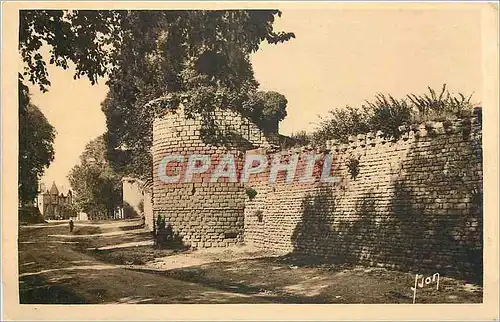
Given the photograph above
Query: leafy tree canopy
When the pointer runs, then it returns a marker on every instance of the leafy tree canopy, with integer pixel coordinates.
(36, 151)
(93, 39)
(97, 187)
(199, 58)
(266, 109)
(80, 37)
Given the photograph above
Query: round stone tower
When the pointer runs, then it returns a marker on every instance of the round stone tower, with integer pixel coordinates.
(204, 211)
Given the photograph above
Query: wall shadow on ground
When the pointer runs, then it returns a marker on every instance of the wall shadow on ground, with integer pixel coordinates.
(433, 223)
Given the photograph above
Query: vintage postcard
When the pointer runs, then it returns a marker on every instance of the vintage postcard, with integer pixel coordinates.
(249, 161)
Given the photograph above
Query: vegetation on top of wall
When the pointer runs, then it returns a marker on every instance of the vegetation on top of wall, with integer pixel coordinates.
(297, 139)
(251, 193)
(387, 114)
(301, 138)
(353, 166)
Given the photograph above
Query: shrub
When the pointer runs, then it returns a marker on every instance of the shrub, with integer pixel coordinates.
(259, 214)
(353, 166)
(141, 206)
(251, 193)
(387, 114)
(301, 138)
(342, 123)
(159, 219)
(440, 108)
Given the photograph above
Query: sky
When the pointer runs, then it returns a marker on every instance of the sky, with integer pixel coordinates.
(338, 58)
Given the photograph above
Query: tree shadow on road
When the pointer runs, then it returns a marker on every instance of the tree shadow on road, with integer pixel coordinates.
(262, 291)
(38, 290)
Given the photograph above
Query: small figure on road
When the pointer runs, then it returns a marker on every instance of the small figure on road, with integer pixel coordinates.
(143, 221)
(71, 225)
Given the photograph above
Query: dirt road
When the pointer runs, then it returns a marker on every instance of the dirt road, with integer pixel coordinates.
(115, 262)
(55, 270)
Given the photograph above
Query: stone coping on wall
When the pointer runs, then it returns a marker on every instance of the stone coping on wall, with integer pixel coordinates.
(370, 139)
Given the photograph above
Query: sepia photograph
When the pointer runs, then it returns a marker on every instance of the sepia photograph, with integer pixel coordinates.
(279, 154)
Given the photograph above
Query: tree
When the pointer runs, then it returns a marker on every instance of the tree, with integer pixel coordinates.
(79, 37)
(93, 39)
(82, 37)
(267, 109)
(97, 187)
(199, 58)
(36, 151)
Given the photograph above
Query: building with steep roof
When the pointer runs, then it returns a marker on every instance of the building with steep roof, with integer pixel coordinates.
(52, 204)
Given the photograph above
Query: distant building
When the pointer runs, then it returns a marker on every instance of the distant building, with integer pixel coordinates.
(81, 216)
(54, 205)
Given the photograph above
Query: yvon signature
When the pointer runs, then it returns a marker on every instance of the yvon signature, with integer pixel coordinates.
(424, 282)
